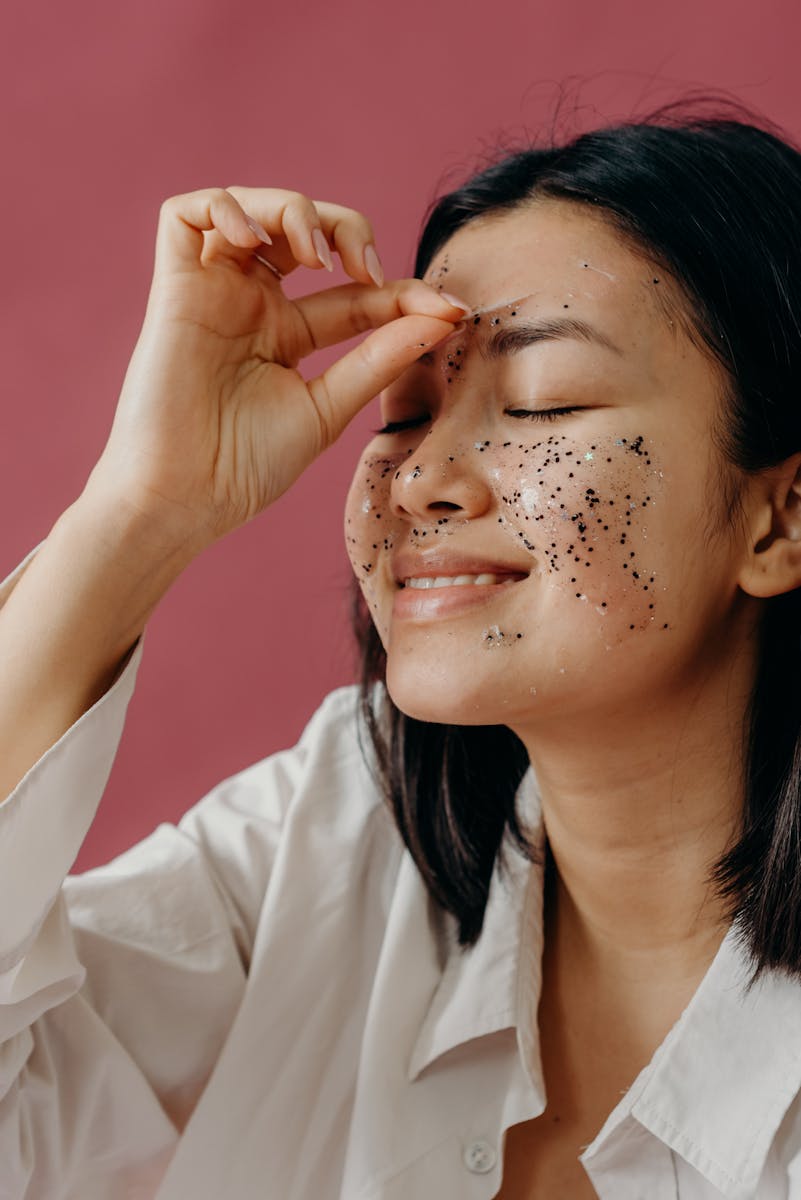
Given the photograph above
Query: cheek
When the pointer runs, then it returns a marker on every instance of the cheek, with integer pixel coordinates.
(369, 527)
(584, 511)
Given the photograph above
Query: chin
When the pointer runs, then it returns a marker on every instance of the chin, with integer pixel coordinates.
(441, 698)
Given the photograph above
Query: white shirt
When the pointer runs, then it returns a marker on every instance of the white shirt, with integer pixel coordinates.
(263, 1002)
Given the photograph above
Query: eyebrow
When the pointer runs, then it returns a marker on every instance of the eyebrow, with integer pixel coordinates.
(509, 341)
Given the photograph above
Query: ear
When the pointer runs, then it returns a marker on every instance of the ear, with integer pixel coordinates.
(773, 525)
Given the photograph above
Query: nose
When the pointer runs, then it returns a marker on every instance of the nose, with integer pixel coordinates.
(443, 476)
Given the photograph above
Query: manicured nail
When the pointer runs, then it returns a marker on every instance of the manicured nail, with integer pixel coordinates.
(373, 265)
(456, 302)
(259, 230)
(323, 252)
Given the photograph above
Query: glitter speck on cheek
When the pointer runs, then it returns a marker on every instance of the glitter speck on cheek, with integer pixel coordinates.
(530, 500)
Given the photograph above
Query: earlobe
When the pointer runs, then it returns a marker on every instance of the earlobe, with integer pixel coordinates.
(773, 561)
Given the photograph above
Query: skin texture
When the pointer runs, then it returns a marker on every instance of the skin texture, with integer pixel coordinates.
(625, 657)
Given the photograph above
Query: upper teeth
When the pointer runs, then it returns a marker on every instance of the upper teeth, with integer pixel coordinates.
(428, 581)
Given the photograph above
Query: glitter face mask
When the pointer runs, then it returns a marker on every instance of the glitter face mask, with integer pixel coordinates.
(577, 510)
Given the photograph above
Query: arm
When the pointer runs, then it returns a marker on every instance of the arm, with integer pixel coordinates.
(214, 422)
(68, 625)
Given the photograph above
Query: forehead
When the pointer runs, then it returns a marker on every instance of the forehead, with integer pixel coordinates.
(561, 254)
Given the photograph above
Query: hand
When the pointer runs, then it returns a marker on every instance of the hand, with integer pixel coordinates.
(214, 420)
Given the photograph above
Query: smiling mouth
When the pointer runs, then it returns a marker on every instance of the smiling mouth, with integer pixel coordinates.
(445, 581)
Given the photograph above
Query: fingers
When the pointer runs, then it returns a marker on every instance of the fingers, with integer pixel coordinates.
(336, 314)
(351, 235)
(184, 219)
(231, 223)
(356, 378)
(308, 232)
(217, 224)
(292, 222)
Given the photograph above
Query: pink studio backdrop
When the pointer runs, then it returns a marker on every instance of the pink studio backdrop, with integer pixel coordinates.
(110, 109)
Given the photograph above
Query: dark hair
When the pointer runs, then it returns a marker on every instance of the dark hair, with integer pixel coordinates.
(715, 200)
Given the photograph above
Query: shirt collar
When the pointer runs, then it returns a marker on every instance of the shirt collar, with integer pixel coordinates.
(494, 984)
(717, 1088)
(718, 1085)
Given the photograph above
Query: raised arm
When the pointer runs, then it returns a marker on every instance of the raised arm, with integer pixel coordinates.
(213, 423)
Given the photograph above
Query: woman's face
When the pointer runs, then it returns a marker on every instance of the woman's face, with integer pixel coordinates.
(539, 531)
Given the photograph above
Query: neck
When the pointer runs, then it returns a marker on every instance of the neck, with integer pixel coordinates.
(636, 821)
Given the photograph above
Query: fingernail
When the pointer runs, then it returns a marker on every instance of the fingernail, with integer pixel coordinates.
(456, 302)
(373, 265)
(259, 230)
(323, 252)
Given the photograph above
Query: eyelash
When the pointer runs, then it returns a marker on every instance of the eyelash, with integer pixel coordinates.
(542, 414)
(535, 414)
(399, 426)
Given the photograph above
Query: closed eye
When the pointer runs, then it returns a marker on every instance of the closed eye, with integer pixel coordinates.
(533, 414)
(399, 426)
(542, 414)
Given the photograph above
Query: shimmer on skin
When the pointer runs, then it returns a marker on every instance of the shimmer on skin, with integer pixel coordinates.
(543, 489)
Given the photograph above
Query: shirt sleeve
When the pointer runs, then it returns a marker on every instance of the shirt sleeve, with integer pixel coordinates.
(118, 986)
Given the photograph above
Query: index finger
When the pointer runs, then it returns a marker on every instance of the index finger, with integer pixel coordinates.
(335, 314)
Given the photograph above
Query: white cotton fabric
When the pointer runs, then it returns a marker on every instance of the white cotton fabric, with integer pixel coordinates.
(263, 1002)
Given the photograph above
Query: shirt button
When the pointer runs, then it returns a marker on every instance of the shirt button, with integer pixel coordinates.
(480, 1157)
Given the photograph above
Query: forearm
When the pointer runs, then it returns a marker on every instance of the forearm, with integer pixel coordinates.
(69, 623)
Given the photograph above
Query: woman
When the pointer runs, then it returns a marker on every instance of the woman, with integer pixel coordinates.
(521, 916)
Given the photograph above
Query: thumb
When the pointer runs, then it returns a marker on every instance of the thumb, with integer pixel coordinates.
(350, 383)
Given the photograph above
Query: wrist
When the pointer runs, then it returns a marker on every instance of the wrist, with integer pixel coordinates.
(134, 531)
(114, 567)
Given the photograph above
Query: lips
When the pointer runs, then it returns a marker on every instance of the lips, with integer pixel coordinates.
(442, 584)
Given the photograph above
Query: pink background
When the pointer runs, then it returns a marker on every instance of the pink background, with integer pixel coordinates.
(110, 108)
